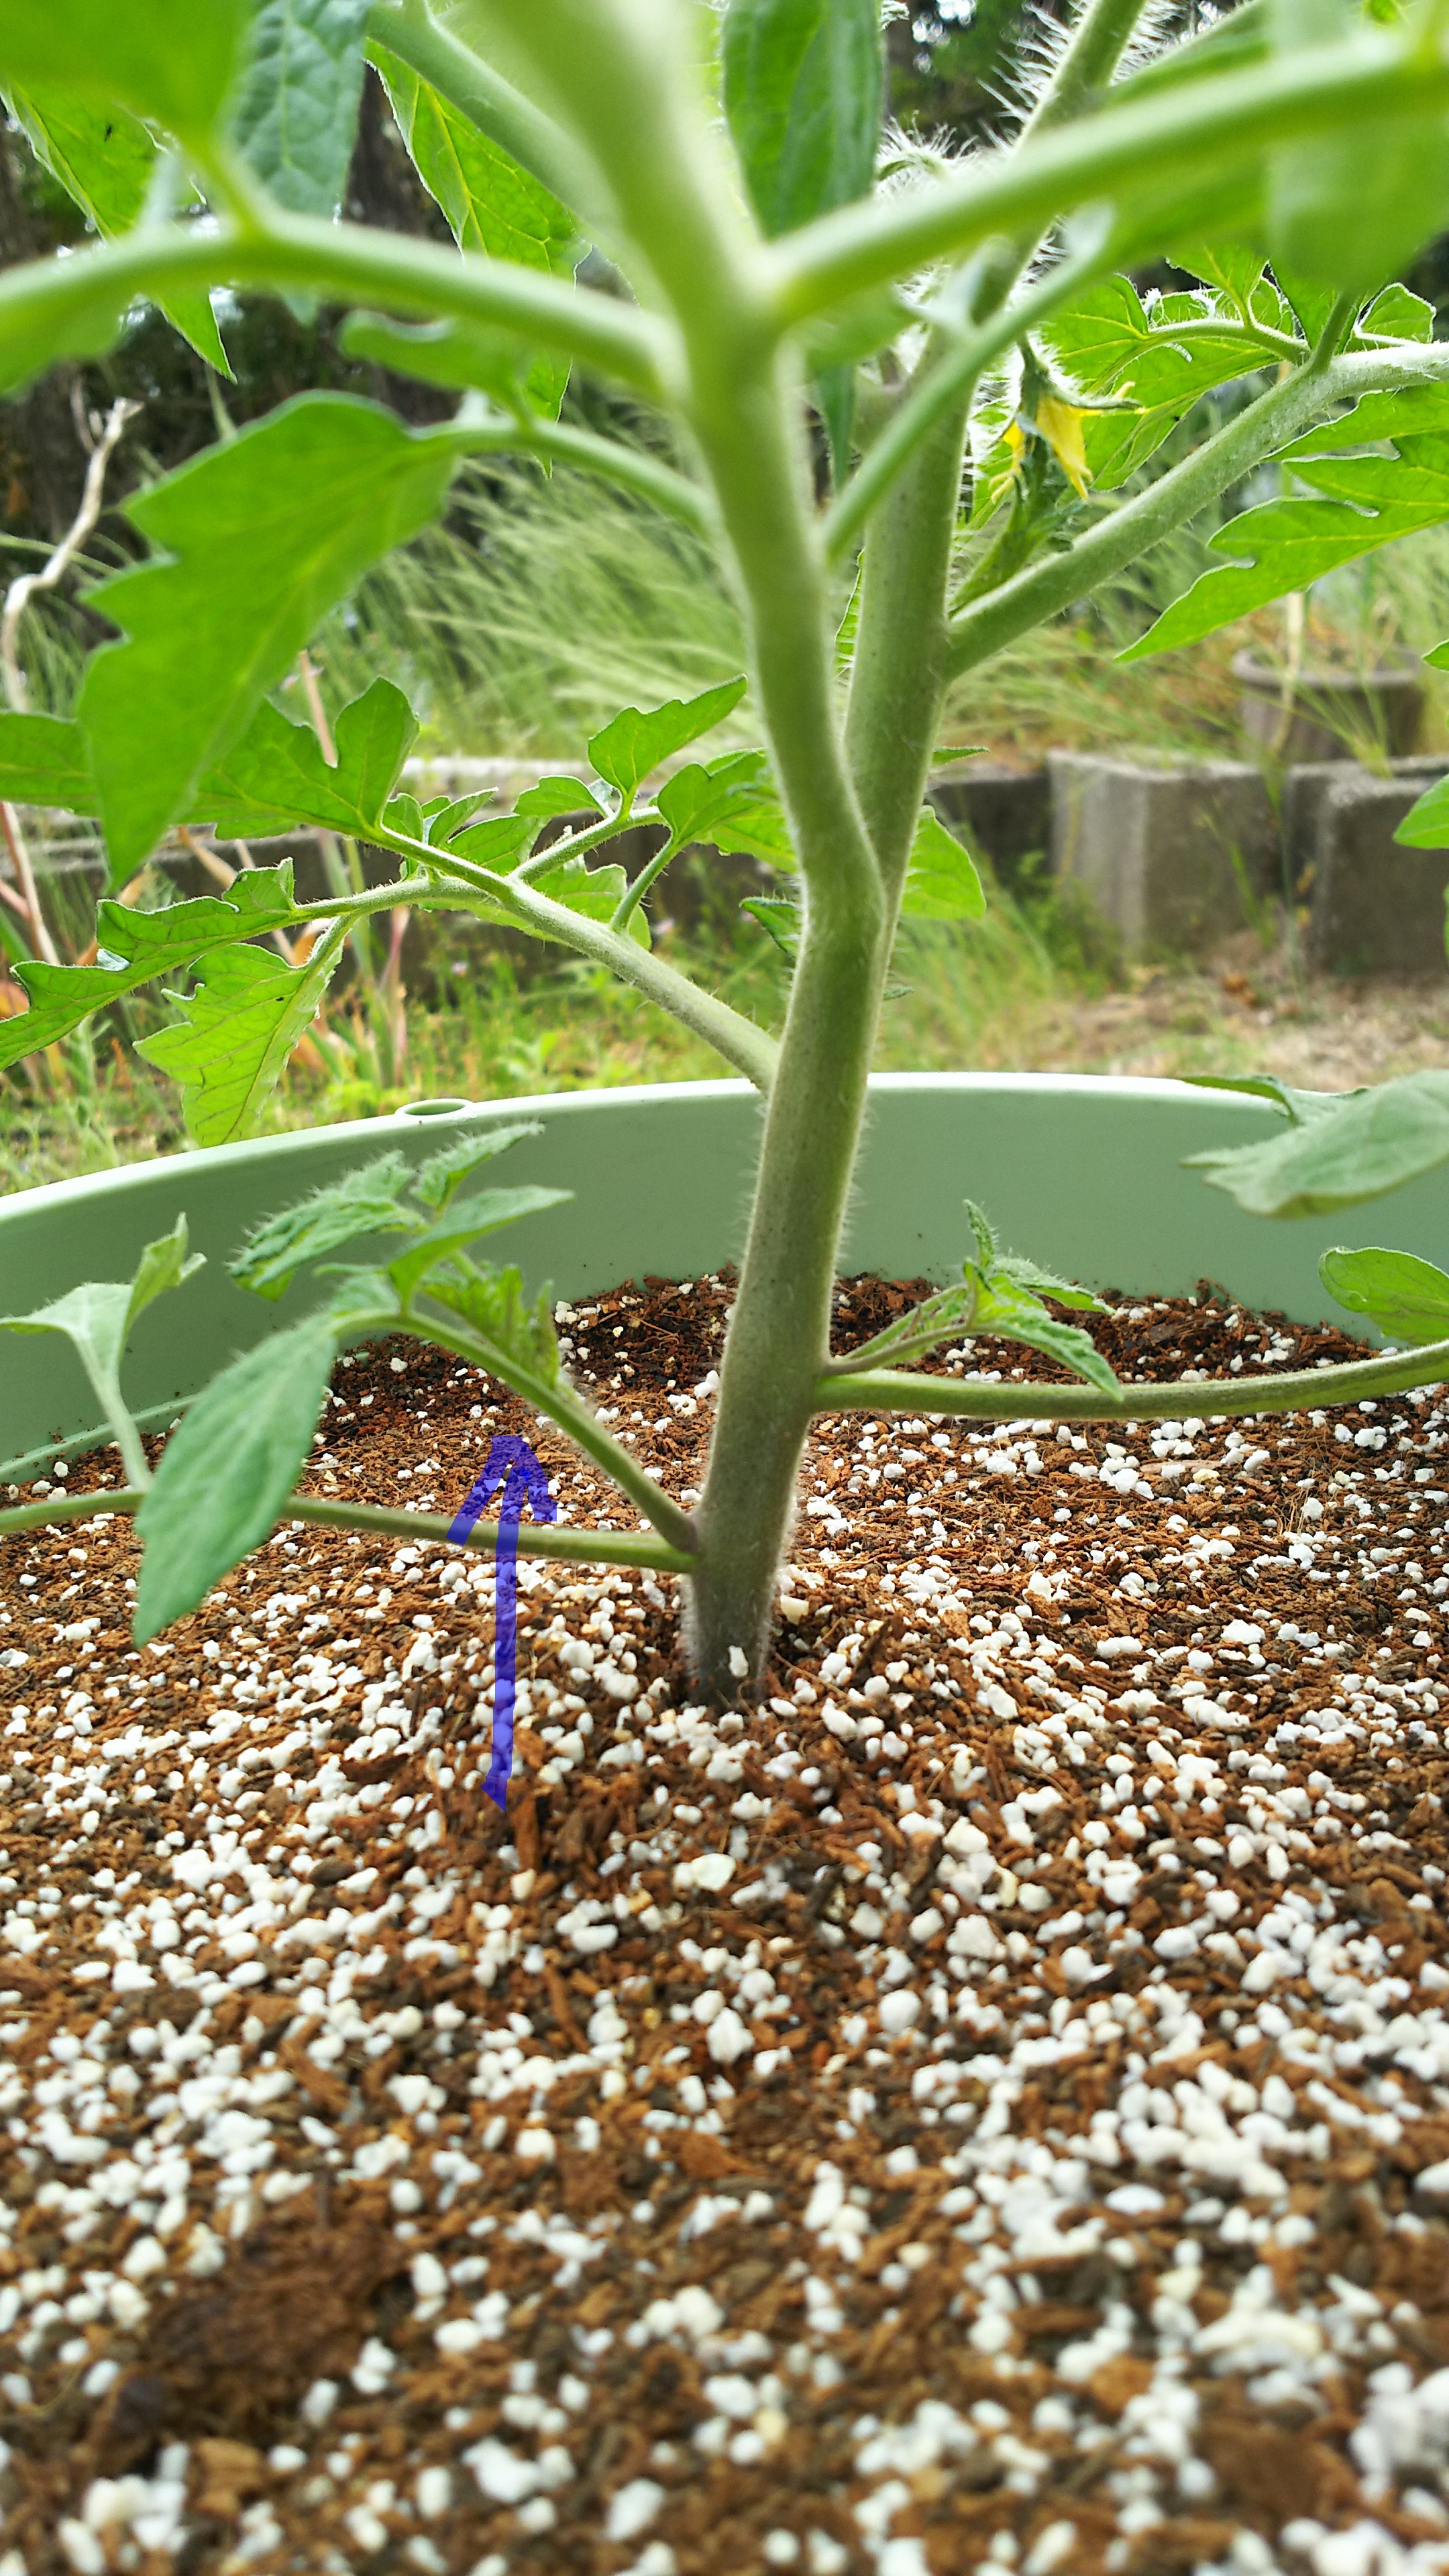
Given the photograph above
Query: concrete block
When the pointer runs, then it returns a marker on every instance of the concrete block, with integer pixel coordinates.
(1005, 813)
(1375, 908)
(1169, 857)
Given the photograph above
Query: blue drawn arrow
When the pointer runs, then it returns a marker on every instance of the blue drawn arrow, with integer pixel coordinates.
(511, 1464)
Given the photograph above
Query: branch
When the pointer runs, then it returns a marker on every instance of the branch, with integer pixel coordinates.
(1176, 137)
(546, 1539)
(632, 467)
(1179, 1400)
(1277, 417)
(48, 306)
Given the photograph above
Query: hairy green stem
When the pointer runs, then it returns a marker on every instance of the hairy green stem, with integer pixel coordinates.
(632, 468)
(546, 1539)
(1175, 137)
(84, 295)
(752, 1051)
(1178, 1399)
(1277, 417)
(647, 878)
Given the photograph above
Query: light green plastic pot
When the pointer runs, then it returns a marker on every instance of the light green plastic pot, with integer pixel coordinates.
(1085, 1174)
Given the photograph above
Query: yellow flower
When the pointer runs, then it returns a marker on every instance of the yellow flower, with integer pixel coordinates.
(1060, 424)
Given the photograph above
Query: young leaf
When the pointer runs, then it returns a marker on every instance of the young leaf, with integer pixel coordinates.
(134, 947)
(594, 892)
(495, 843)
(295, 114)
(97, 1318)
(491, 204)
(941, 881)
(1397, 314)
(1408, 1299)
(168, 60)
(240, 1022)
(803, 82)
(1017, 1316)
(780, 915)
(701, 804)
(441, 1174)
(1366, 501)
(492, 1304)
(637, 740)
(276, 777)
(367, 1201)
(227, 1471)
(256, 539)
(1372, 1142)
(936, 1319)
(551, 796)
(43, 762)
(462, 1224)
(105, 160)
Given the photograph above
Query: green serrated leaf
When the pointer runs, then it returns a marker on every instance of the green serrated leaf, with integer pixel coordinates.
(490, 202)
(295, 115)
(227, 1471)
(463, 1223)
(941, 881)
(366, 1201)
(256, 539)
(1366, 501)
(638, 739)
(1397, 314)
(551, 796)
(275, 778)
(43, 762)
(168, 60)
(135, 947)
(1407, 1298)
(441, 1174)
(240, 1022)
(1016, 1316)
(1024, 1273)
(1372, 1142)
(492, 1304)
(987, 1246)
(803, 92)
(595, 892)
(105, 160)
(495, 843)
(96, 1320)
(780, 916)
(699, 803)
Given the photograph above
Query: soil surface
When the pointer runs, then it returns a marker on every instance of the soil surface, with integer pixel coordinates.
(979, 2103)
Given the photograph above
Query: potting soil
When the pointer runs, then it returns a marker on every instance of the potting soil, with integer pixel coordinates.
(979, 2102)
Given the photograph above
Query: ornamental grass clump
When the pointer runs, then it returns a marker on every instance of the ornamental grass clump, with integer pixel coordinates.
(911, 407)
